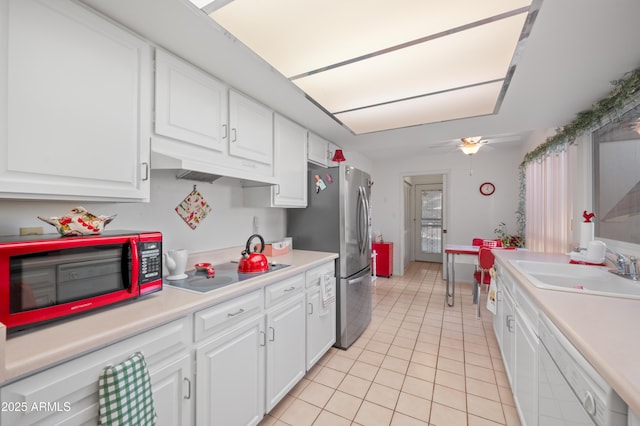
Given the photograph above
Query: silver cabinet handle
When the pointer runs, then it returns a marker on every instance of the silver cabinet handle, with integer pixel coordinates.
(234, 132)
(188, 383)
(310, 308)
(240, 311)
(273, 334)
(509, 319)
(226, 131)
(263, 338)
(287, 290)
(146, 171)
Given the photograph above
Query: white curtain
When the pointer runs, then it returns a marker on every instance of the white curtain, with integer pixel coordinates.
(549, 194)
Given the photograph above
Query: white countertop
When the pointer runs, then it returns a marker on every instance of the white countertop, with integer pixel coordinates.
(42, 347)
(603, 329)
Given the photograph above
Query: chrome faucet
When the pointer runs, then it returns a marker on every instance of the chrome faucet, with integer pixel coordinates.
(626, 267)
(620, 261)
(633, 268)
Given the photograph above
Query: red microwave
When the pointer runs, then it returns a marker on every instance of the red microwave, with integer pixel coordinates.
(46, 277)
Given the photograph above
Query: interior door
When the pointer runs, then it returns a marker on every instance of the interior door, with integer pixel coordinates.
(428, 222)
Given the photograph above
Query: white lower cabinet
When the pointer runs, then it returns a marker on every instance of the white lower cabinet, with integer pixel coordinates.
(526, 378)
(526, 356)
(321, 318)
(504, 321)
(67, 394)
(508, 335)
(173, 392)
(285, 319)
(515, 325)
(230, 376)
(248, 359)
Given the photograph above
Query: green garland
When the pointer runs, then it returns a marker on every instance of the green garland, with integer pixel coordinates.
(621, 96)
(625, 91)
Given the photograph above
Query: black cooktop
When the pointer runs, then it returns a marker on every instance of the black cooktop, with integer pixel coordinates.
(226, 274)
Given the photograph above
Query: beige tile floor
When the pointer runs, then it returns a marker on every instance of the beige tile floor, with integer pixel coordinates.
(418, 363)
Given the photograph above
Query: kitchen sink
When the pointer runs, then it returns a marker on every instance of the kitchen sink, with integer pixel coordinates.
(597, 280)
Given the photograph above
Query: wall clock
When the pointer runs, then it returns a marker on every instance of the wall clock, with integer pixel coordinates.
(487, 188)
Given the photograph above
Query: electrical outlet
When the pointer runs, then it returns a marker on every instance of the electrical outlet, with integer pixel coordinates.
(31, 230)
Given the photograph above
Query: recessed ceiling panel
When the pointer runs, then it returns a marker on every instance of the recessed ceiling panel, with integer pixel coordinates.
(376, 65)
(470, 102)
(482, 54)
(299, 36)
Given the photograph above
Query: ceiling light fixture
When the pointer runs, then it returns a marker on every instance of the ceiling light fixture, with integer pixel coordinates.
(471, 145)
(371, 74)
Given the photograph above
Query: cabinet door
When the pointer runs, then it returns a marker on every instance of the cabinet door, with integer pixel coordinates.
(508, 335)
(321, 324)
(251, 126)
(290, 164)
(285, 348)
(498, 319)
(78, 104)
(318, 150)
(526, 371)
(191, 106)
(230, 377)
(172, 392)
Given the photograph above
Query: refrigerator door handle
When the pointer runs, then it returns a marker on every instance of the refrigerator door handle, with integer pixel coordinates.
(358, 280)
(360, 203)
(367, 219)
(363, 220)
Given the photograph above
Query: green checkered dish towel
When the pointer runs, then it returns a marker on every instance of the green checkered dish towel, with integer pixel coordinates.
(125, 394)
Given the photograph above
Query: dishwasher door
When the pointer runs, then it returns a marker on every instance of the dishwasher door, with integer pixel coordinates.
(570, 391)
(557, 403)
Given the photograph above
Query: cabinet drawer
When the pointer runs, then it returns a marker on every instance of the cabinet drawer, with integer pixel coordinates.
(527, 308)
(212, 320)
(313, 275)
(283, 290)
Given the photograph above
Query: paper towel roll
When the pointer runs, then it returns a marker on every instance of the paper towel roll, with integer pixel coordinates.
(586, 234)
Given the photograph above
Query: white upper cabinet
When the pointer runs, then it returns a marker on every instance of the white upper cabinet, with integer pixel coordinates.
(251, 127)
(291, 164)
(202, 126)
(77, 108)
(190, 105)
(318, 150)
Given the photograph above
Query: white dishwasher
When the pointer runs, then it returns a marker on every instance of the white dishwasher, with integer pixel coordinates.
(570, 391)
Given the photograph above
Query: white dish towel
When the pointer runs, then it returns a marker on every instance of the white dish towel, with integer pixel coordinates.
(328, 289)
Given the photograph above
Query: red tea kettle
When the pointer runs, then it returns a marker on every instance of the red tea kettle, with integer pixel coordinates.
(253, 262)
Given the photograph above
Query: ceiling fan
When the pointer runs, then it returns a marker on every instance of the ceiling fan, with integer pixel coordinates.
(471, 145)
(477, 142)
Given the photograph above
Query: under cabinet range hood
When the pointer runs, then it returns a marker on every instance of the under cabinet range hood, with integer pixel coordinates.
(197, 176)
(205, 172)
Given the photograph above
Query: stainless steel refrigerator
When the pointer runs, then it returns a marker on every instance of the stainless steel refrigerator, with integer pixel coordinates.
(338, 219)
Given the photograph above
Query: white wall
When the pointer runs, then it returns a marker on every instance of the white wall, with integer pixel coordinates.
(229, 224)
(470, 214)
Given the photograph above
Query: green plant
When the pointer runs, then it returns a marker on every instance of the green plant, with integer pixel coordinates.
(508, 240)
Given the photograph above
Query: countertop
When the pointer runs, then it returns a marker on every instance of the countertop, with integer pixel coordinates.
(28, 352)
(603, 329)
